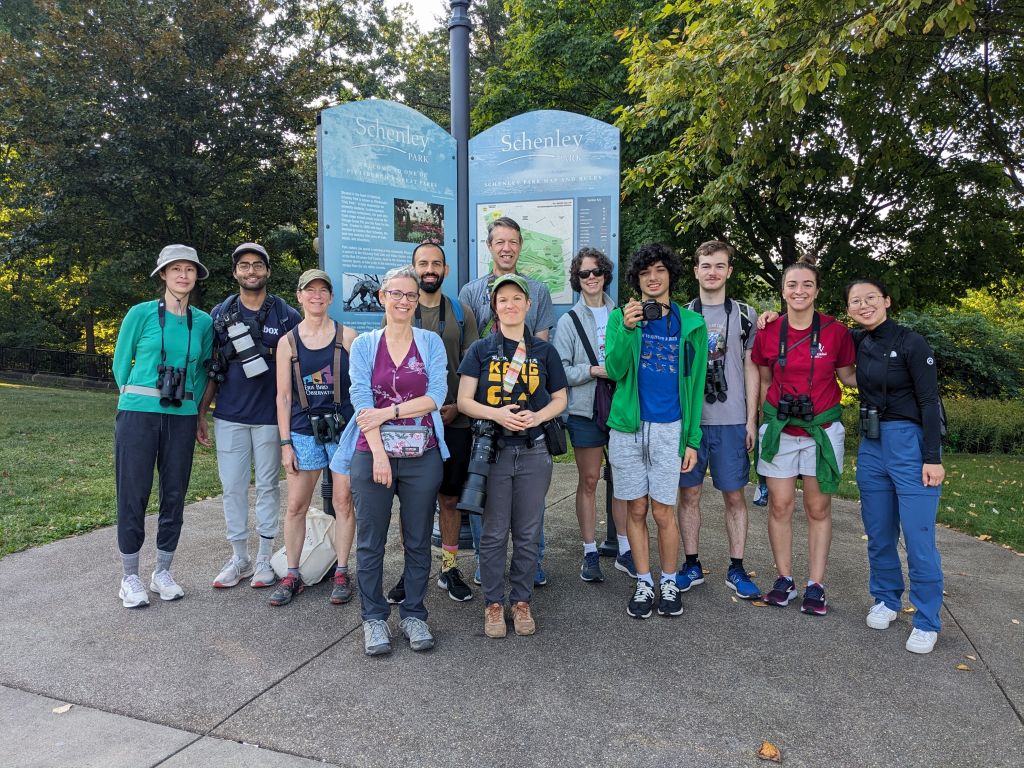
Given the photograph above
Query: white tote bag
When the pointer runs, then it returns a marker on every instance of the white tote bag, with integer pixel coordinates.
(318, 556)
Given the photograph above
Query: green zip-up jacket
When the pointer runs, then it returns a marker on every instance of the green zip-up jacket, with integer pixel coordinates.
(622, 361)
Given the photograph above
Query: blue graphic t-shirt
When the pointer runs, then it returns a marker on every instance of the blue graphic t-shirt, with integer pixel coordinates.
(658, 377)
(253, 401)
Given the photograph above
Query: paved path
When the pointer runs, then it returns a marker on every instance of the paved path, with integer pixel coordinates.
(204, 680)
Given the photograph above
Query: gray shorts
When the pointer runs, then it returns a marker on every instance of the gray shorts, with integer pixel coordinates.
(647, 462)
(799, 455)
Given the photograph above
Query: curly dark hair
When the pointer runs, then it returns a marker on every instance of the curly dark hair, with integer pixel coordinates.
(650, 254)
(603, 263)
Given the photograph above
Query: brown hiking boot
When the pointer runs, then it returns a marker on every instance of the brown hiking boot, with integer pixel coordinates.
(522, 619)
(494, 620)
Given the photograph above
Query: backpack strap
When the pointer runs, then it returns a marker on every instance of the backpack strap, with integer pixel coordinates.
(746, 325)
(338, 346)
(583, 337)
(293, 335)
(460, 318)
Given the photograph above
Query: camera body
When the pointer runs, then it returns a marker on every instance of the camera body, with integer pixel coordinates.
(715, 386)
(869, 422)
(473, 498)
(242, 344)
(651, 309)
(171, 383)
(796, 407)
(327, 427)
(216, 369)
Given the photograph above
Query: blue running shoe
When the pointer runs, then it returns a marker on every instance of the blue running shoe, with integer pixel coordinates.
(624, 563)
(761, 495)
(782, 592)
(689, 576)
(591, 568)
(541, 578)
(740, 581)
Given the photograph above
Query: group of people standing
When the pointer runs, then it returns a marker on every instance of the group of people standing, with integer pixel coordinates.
(448, 387)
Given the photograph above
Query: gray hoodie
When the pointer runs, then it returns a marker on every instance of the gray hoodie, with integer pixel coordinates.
(574, 357)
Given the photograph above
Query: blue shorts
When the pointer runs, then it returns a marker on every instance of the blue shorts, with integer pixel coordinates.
(724, 447)
(309, 454)
(585, 433)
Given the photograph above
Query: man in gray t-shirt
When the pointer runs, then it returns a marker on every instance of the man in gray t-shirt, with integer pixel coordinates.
(505, 242)
(728, 421)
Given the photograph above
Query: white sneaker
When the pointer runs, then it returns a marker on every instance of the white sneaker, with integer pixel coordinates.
(163, 584)
(921, 641)
(234, 571)
(881, 616)
(133, 593)
(264, 575)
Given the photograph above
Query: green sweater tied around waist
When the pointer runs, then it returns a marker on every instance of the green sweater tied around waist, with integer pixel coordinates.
(826, 467)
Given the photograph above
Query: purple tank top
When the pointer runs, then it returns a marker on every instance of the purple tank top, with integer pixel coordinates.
(393, 385)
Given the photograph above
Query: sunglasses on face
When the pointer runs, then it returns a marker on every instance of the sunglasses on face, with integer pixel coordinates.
(585, 273)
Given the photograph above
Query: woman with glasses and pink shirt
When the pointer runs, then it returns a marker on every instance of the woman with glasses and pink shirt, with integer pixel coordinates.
(395, 445)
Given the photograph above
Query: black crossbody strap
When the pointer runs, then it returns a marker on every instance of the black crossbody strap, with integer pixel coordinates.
(338, 346)
(583, 337)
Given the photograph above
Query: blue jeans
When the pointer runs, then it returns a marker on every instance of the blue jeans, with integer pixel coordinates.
(476, 525)
(892, 496)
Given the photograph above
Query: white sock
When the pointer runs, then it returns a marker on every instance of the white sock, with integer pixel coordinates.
(623, 543)
(668, 577)
(646, 577)
(588, 548)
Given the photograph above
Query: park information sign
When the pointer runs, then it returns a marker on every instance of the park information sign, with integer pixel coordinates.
(557, 175)
(385, 182)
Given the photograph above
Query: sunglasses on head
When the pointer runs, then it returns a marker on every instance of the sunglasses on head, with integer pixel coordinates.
(585, 273)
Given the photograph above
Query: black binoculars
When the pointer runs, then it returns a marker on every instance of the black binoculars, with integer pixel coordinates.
(869, 422)
(715, 386)
(171, 383)
(796, 407)
(327, 427)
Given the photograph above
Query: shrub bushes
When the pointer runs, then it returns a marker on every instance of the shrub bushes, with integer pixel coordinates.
(985, 426)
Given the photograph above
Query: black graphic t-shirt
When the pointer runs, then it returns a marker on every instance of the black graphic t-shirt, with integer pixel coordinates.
(542, 373)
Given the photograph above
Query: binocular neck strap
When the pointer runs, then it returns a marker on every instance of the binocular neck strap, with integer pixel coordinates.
(814, 337)
(161, 313)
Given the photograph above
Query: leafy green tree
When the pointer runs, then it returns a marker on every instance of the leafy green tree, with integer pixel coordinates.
(879, 137)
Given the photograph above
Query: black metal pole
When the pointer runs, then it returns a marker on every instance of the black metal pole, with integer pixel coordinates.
(459, 29)
(610, 546)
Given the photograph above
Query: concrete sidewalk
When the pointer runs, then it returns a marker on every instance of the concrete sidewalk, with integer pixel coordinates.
(202, 681)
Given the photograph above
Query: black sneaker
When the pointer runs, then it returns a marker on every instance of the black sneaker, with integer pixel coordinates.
(397, 593)
(451, 580)
(642, 604)
(671, 603)
(287, 588)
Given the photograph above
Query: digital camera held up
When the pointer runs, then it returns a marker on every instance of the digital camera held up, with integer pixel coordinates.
(651, 309)
(473, 498)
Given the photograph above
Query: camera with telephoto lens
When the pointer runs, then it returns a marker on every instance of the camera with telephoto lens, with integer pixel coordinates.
(327, 427)
(869, 426)
(651, 309)
(795, 407)
(171, 383)
(248, 351)
(473, 498)
(216, 369)
(715, 386)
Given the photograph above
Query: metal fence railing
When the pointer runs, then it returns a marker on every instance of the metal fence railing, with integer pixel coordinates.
(56, 361)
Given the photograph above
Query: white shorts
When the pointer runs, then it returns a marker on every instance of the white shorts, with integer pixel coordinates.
(798, 455)
(646, 463)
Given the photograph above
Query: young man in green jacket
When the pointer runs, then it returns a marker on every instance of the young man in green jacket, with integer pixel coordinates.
(656, 352)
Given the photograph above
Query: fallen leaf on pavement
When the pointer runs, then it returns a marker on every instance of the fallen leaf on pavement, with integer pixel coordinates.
(963, 667)
(1015, 621)
(864, 537)
(769, 751)
(735, 599)
(759, 603)
(910, 609)
(63, 709)
(984, 537)
(972, 658)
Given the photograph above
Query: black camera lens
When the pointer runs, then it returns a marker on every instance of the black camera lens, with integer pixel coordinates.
(651, 310)
(473, 498)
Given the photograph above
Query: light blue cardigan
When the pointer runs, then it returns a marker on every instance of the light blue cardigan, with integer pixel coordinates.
(360, 369)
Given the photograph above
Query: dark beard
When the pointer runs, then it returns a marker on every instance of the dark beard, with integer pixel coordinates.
(430, 287)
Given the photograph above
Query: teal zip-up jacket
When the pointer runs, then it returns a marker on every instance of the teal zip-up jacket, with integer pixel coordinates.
(622, 361)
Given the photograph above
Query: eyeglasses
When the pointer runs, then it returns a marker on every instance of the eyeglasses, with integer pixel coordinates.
(871, 299)
(251, 266)
(585, 273)
(499, 244)
(397, 295)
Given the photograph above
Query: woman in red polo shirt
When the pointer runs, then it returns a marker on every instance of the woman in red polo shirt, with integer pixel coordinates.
(799, 356)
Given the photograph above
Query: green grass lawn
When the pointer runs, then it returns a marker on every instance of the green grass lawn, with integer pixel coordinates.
(57, 473)
(57, 465)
